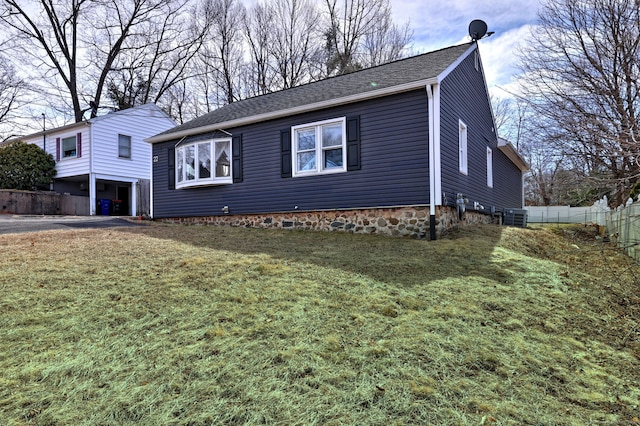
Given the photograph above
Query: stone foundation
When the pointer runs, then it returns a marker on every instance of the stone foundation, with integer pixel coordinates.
(397, 222)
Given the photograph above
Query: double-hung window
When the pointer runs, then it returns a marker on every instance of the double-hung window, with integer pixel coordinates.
(462, 147)
(204, 163)
(124, 146)
(69, 147)
(319, 148)
(489, 167)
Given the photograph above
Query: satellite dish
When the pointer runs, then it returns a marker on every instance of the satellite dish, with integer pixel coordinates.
(477, 29)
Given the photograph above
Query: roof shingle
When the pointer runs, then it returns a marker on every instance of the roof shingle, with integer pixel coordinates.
(416, 68)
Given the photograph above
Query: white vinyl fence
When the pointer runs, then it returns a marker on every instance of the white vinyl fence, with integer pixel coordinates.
(624, 225)
(565, 214)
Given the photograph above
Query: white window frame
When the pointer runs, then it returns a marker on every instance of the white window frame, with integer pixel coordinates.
(489, 167)
(182, 182)
(128, 157)
(319, 149)
(66, 157)
(463, 134)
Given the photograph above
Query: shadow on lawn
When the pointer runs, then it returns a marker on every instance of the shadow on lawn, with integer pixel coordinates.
(404, 261)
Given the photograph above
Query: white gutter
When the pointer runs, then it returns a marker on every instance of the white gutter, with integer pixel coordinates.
(435, 167)
(292, 111)
(432, 179)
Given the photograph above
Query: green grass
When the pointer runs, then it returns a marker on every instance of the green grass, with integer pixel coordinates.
(179, 325)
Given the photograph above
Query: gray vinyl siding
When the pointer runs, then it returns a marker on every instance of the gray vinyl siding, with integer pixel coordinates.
(507, 182)
(464, 97)
(394, 156)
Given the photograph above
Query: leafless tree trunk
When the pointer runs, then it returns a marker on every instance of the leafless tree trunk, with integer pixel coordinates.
(294, 41)
(360, 33)
(12, 91)
(160, 57)
(75, 44)
(387, 42)
(222, 54)
(258, 24)
(582, 70)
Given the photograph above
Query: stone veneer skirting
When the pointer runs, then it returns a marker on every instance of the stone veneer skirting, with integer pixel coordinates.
(396, 221)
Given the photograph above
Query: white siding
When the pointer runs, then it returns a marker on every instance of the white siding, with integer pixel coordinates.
(67, 166)
(101, 135)
(139, 123)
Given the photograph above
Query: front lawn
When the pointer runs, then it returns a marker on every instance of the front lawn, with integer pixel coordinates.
(192, 325)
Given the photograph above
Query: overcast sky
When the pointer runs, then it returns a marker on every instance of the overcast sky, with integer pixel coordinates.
(441, 23)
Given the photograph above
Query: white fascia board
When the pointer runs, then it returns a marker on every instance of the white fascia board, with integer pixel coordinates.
(291, 111)
(512, 154)
(116, 178)
(51, 131)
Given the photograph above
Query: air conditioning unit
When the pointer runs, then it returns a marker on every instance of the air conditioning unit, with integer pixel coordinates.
(515, 217)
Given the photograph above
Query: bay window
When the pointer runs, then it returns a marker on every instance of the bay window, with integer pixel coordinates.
(203, 163)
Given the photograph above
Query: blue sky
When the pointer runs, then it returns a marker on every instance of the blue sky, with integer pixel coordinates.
(441, 23)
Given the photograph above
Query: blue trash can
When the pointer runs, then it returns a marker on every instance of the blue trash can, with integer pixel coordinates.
(105, 207)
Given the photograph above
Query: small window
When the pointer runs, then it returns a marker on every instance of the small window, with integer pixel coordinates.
(69, 147)
(462, 148)
(489, 167)
(319, 147)
(203, 163)
(124, 146)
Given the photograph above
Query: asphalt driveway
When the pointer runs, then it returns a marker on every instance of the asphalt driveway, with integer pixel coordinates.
(16, 224)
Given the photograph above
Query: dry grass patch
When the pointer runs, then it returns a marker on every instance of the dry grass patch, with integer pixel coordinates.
(198, 325)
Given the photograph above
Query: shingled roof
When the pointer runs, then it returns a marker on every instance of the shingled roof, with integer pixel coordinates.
(381, 80)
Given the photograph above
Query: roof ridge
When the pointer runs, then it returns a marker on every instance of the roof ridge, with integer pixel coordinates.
(332, 77)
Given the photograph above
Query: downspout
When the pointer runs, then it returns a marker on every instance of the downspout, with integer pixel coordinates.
(435, 196)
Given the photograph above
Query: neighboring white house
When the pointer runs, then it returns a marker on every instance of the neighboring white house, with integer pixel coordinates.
(106, 158)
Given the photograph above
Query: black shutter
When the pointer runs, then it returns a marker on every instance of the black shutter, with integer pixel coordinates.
(353, 143)
(79, 145)
(236, 155)
(285, 153)
(171, 169)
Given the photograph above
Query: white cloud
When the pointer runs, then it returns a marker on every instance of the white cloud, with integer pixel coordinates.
(499, 55)
(442, 23)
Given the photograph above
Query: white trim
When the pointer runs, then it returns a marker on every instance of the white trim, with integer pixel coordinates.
(489, 167)
(317, 126)
(463, 147)
(457, 62)
(510, 151)
(437, 171)
(92, 177)
(133, 196)
(70, 157)
(431, 119)
(116, 178)
(292, 111)
(213, 179)
(92, 194)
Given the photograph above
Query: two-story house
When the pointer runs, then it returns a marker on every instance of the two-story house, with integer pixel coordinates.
(106, 158)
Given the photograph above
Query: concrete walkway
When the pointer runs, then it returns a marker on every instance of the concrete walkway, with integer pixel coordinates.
(16, 224)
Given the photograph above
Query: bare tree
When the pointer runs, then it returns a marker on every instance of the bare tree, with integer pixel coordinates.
(294, 40)
(75, 44)
(257, 28)
(159, 56)
(386, 42)
(12, 97)
(582, 73)
(360, 33)
(222, 54)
